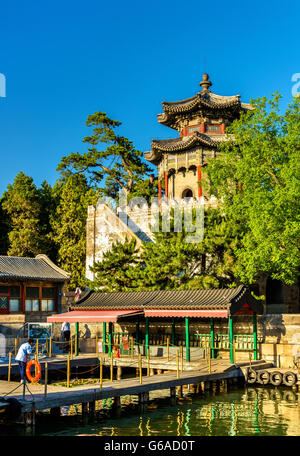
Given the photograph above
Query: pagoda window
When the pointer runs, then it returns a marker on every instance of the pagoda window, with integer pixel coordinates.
(193, 129)
(187, 193)
(213, 128)
(9, 299)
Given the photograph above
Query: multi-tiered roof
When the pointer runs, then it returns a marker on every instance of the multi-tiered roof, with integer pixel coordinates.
(204, 108)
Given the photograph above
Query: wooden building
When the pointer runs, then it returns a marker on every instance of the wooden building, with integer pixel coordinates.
(30, 289)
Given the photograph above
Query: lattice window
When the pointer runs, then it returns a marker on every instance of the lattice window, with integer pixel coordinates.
(3, 302)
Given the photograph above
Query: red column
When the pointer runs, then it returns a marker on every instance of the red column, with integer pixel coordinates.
(202, 128)
(159, 192)
(199, 181)
(223, 128)
(166, 186)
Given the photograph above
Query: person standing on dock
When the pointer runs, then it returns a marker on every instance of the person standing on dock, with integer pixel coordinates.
(22, 357)
(65, 332)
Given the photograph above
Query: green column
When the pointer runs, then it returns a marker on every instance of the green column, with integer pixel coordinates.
(230, 322)
(104, 337)
(187, 339)
(173, 332)
(212, 337)
(255, 335)
(147, 336)
(137, 331)
(109, 339)
(77, 338)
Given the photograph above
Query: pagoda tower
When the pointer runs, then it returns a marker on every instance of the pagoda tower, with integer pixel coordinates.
(201, 122)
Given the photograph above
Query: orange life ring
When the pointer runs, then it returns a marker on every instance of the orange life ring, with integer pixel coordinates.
(38, 370)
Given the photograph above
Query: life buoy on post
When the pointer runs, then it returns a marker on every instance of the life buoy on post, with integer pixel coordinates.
(33, 362)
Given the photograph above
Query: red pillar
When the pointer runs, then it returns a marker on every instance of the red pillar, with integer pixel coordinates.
(202, 128)
(199, 181)
(166, 186)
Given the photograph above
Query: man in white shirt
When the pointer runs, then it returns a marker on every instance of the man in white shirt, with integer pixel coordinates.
(22, 357)
(65, 333)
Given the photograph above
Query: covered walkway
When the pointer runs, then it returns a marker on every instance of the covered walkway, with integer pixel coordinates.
(182, 305)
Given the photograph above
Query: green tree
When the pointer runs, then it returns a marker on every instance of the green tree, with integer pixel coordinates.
(69, 226)
(256, 176)
(4, 229)
(48, 203)
(117, 271)
(118, 166)
(171, 262)
(22, 205)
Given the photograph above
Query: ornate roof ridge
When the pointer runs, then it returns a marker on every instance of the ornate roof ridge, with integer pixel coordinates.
(206, 98)
(182, 144)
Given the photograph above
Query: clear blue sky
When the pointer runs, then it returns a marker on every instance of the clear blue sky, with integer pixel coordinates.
(64, 60)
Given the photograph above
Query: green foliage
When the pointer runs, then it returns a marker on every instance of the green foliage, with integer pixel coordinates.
(118, 166)
(69, 226)
(22, 205)
(4, 229)
(170, 262)
(262, 156)
(117, 271)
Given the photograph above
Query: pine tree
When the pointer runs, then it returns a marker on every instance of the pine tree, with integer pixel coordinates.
(69, 226)
(171, 262)
(4, 229)
(118, 167)
(118, 270)
(22, 205)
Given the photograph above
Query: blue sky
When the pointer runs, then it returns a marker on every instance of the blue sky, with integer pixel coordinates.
(64, 60)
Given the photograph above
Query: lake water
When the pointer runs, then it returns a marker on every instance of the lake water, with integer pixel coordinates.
(246, 411)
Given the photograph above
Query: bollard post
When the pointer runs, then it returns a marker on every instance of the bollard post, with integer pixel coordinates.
(177, 362)
(15, 347)
(71, 346)
(47, 346)
(181, 348)
(140, 368)
(131, 341)
(233, 350)
(148, 362)
(96, 344)
(9, 367)
(168, 344)
(112, 367)
(46, 379)
(209, 357)
(76, 344)
(50, 347)
(101, 373)
(68, 372)
(37, 347)
(37, 359)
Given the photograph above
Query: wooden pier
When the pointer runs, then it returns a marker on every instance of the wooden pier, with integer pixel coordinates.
(56, 397)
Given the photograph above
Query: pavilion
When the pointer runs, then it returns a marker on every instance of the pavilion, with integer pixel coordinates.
(183, 305)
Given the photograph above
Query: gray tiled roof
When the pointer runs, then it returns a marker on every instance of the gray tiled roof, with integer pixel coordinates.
(223, 298)
(23, 268)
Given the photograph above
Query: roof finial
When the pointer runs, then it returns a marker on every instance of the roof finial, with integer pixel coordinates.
(205, 83)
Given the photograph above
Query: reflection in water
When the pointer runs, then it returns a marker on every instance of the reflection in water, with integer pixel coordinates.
(241, 412)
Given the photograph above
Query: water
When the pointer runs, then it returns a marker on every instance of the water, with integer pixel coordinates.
(244, 411)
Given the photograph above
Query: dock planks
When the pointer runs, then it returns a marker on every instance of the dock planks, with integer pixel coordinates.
(63, 396)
